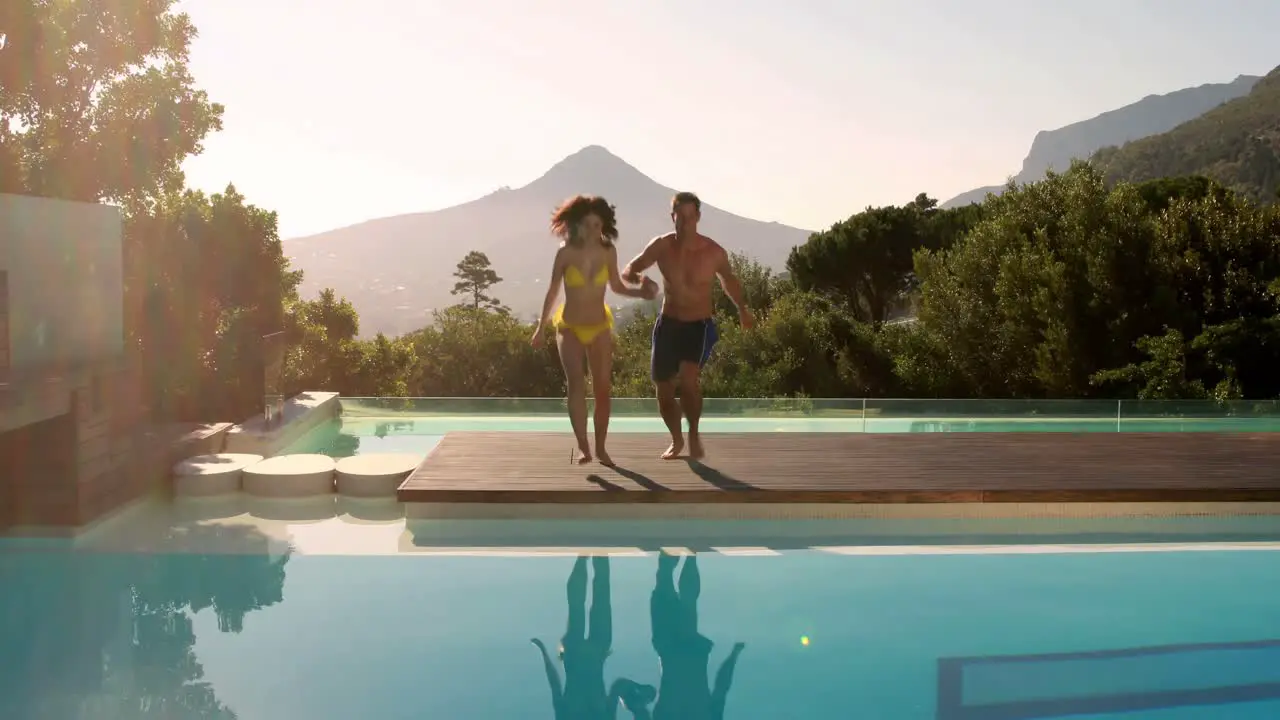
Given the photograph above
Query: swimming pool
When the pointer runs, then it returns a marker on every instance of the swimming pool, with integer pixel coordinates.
(201, 619)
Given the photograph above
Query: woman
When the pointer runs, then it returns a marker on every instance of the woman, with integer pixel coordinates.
(586, 263)
(586, 645)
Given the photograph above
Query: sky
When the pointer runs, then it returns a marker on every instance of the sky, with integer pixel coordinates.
(801, 112)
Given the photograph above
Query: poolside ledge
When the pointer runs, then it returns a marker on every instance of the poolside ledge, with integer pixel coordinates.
(301, 414)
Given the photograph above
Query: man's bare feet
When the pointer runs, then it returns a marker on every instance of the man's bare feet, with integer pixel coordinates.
(586, 454)
(696, 451)
(677, 447)
(603, 456)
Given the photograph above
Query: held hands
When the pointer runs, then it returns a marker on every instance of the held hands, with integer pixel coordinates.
(648, 288)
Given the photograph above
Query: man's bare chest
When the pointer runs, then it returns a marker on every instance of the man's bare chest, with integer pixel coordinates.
(689, 269)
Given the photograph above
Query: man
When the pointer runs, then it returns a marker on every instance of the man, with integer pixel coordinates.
(685, 330)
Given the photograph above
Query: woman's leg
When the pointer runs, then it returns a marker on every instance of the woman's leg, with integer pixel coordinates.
(571, 356)
(600, 358)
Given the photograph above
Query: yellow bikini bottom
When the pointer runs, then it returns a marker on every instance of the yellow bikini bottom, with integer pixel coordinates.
(585, 333)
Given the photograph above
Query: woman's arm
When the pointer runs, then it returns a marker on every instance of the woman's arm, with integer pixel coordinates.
(553, 290)
(615, 278)
(553, 679)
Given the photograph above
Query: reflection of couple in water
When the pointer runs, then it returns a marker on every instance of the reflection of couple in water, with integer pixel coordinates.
(683, 691)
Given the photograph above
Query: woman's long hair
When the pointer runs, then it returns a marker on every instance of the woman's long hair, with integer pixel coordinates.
(564, 221)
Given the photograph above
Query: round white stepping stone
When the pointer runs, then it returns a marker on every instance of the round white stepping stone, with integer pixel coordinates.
(216, 474)
(374, 474)
(290, 476)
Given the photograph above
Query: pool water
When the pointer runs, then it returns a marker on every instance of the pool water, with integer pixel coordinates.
(346, 436)
(944, 636)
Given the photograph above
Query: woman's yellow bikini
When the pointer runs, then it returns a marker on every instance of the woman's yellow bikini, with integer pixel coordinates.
(586, 333)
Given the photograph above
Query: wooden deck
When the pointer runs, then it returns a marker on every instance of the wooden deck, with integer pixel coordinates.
(520, 467)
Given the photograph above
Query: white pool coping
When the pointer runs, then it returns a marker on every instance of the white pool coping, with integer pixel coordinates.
(341, 526)
(301, 414)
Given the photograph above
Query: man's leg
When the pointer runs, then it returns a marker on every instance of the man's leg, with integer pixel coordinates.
(664, 367)
(670, 409)
(698, 351)
(691, 404)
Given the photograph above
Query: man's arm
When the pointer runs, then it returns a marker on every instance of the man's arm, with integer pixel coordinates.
(728, 280)
(643, 261)
(724, 680)
(733, 288)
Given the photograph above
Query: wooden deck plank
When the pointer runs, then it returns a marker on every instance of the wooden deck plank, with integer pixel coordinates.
(519, 467)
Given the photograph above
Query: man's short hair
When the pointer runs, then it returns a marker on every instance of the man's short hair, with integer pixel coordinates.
(685, 197)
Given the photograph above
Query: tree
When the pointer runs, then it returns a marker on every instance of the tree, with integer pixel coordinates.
(96, 102)
(321, 333)
(1071, 288)
(469, 352)
(475, 277)
(866, 261)
(205, 279)
(1162, 376)
(1040, 294)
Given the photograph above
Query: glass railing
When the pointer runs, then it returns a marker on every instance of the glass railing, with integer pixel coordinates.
(885, 414)
(273, 352)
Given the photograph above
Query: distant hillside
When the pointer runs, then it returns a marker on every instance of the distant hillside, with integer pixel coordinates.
(1237, 144)
(396, 270)
(1152, 115)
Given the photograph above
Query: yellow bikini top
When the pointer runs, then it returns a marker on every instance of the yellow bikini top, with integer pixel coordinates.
(573, 276)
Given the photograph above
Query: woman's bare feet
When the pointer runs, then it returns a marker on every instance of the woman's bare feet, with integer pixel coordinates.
(677, 447)
(603, 456)
(696, 451)
(585, 449)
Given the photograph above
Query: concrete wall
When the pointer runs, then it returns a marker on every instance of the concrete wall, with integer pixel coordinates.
(64, 272)
(74, 468)
(4, 321)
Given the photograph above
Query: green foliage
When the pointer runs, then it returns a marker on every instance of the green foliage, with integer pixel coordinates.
(1061, 288)
(1074, 286)
(96, 102)
(759, 286)
(867, 261)
(469, 352)
(1069, 288)
(206, 277)
(475, 277)
(1162, 375)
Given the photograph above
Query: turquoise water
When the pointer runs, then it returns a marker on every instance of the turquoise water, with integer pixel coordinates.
(912, 637)
(347, 436)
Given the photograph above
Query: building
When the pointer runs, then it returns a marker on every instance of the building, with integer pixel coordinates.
(75, 441)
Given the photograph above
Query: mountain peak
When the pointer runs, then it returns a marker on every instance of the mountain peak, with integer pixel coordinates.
(593, 164)
(594, 151)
